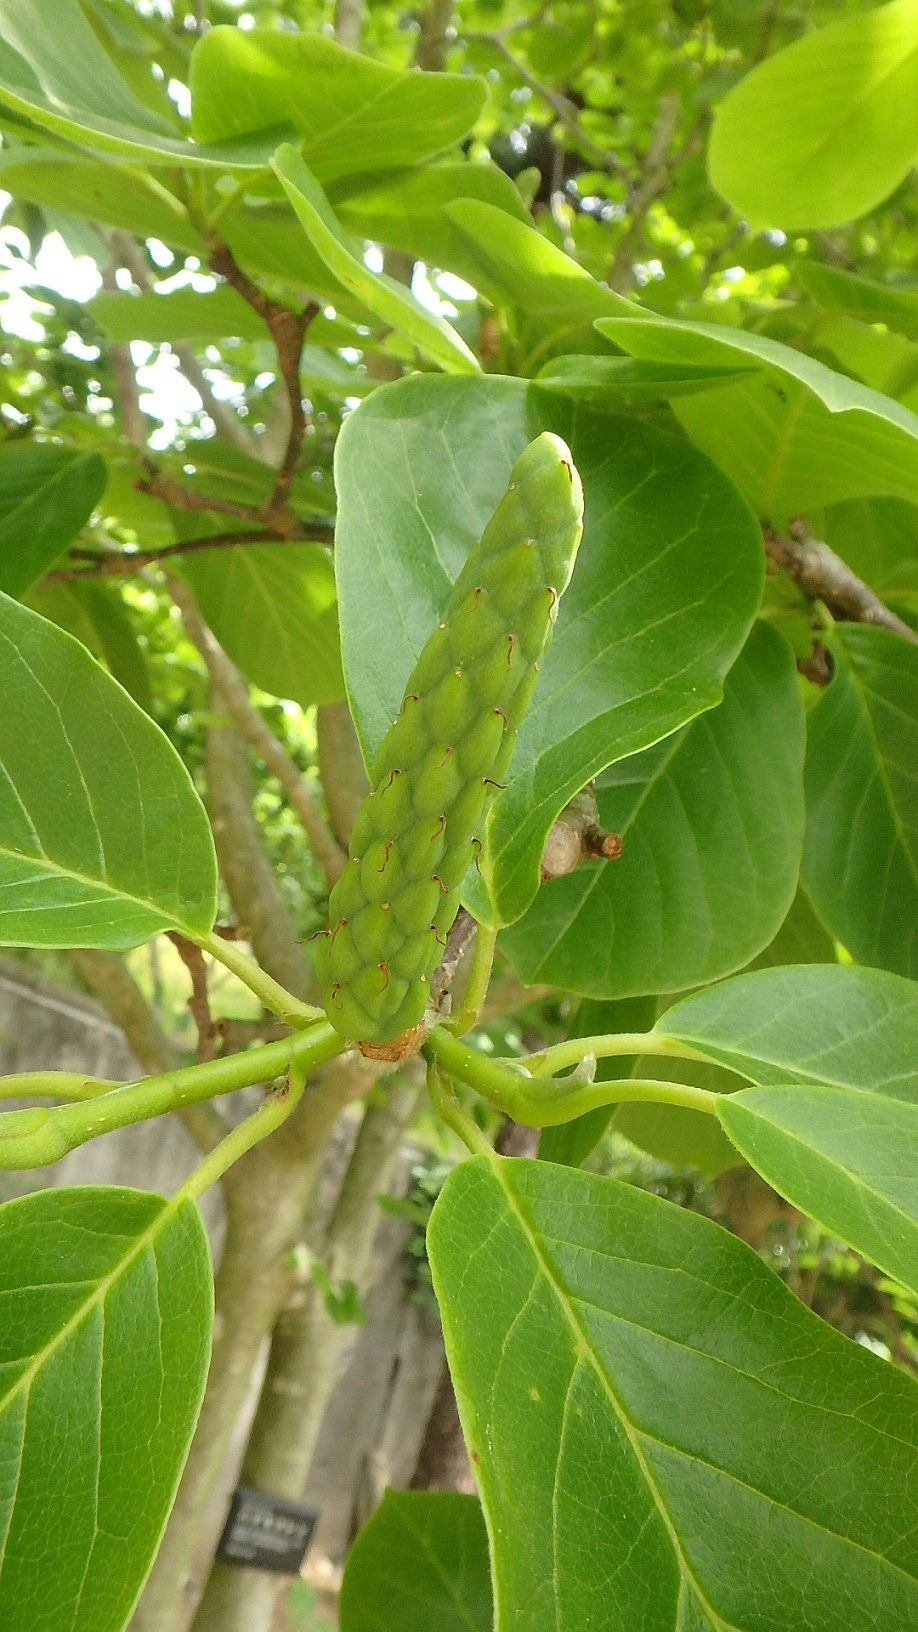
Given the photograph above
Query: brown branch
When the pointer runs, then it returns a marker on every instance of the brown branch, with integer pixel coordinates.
(827, 578)
(577, 835)
(287, 328)
(657, 168)
(226, 677)
(199, 1001)
(124, 562)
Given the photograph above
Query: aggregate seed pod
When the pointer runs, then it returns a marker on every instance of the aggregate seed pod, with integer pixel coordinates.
(438, 766)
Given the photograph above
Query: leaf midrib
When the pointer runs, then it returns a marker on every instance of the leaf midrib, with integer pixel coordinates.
(585, 1349)
(100, 885)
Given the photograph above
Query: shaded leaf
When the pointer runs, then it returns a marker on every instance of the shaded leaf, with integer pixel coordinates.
(848, 1159)
(865, 298)
(104, 1345)
(55, 72)
(712, 822)
(103, 840)
(47, 493)
(100, 190)
(272, 606)
(837, 1025)
(624, 1370)
(421, 1562)
(795, 436)
(406, 209)
(861, 857)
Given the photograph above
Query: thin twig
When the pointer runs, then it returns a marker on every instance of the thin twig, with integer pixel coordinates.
(657, 167)
(827, 578)
(576, 835)
(124, 562)
(564, 110)
(199, 1001)
(226, 676)
(287, 328)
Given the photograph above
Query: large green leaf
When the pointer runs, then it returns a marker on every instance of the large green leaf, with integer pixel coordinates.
(47, 494)
(822, 131)
(861, 855)
(351, 114)
(94, 612)
(343, 256)
(795, 435)
(103, 840)
(273, 607)
(55, 72)
(712, 822)
(104, 1344)
(836, 1025)
(666, 584)
(846, 1158)
(625, 1372)
(421, 1564)
(101, 190)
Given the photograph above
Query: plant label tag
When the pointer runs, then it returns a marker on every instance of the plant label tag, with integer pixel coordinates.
(268, 1532)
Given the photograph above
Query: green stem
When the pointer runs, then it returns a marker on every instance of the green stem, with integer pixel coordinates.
(227, 202)
(561, 1056)
(546, 1104)
(66, 1085)
(447, 1107)
(274, 1110)
(476, 986)
(34, 1138)
(274, 996)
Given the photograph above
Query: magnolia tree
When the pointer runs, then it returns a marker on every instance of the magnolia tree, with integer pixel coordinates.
(553, 371)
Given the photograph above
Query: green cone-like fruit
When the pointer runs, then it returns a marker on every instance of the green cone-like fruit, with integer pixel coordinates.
(437, 767)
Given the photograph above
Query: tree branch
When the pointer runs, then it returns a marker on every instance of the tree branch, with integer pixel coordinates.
(826, 577)
(122, 563)
(244, 866)
(235, 695)
(287, 328)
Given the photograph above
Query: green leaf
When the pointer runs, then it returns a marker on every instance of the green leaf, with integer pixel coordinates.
(793, 436)
(103, 840)
(860, 297)
(824, 130)
(94, 613)
(421, 1562)
(344, 258)
(836, 1025)
(712, 822)
(181, 315)
(100, 190)
(406, 209)
(861, 856)
(848, 1159)
(47, 493)
(272, 606)
(605, 382)
(518, 264)
(104, 1345)
(625, 1370)
(420, 467)
(55, 72)
(352, 114)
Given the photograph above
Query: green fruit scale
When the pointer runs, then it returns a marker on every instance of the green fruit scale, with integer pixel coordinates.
(440, 763)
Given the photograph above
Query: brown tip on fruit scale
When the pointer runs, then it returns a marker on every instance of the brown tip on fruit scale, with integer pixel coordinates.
(397, 1048)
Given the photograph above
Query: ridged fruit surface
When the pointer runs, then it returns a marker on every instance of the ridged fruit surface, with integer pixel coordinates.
(439, 764)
